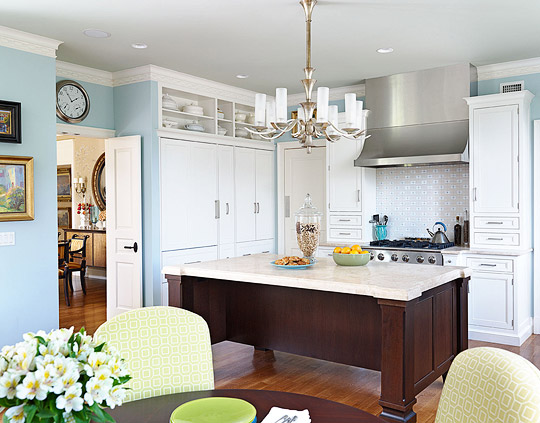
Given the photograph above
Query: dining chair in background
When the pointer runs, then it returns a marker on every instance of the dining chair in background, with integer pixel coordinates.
(490, 385)
(63, 272)
(77, 251)
(167, 350)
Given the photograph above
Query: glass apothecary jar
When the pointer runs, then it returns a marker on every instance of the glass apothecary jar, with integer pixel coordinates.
(308, 228)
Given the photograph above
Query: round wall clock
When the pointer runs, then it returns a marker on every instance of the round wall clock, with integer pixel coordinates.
(72, 101)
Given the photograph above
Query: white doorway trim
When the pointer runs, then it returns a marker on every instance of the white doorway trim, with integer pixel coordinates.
(536, 226)
(281, 147)
(65, 129)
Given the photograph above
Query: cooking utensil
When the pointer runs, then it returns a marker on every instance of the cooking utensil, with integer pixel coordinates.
(385, 220)
(438, 237)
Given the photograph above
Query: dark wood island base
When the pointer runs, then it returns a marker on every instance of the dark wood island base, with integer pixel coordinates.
(412, 343)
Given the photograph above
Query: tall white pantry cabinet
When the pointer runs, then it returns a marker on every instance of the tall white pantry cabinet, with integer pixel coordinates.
(217, 201)
(500, 299)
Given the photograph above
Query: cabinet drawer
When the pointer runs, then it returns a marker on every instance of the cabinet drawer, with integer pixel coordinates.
(191, 255)
(490, 264)
(255, 247)
(496, 239)
(345, 220)
(226, 251)
(339, 233)
(496, 223)
(325, 252)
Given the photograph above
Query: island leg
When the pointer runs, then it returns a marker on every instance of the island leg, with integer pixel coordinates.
(397, 362)
(175, 291)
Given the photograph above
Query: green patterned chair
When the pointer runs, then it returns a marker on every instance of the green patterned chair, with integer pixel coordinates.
(490, 385)
(167, 350)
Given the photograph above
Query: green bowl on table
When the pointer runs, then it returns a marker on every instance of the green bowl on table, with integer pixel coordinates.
(215, 410)
(352, 259)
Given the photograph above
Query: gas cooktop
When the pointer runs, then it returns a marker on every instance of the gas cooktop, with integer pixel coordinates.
(411, 243)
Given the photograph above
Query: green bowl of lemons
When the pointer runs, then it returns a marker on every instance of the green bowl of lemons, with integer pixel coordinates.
(351, 256)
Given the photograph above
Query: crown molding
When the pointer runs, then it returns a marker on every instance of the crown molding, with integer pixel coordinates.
(184, 82)
(63, 129)
(31, 43)
(83, 73)
(335, 94)
(509, 69)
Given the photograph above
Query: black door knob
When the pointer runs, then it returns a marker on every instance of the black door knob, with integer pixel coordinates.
(134, 247)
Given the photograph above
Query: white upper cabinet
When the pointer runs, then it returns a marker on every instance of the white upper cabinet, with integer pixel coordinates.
(246, 205)
(494, 152)
(226, 194)
(344, 179)
(500, 170)
(265, 194)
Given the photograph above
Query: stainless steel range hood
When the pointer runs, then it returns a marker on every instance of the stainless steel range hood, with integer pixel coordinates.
(419, 118)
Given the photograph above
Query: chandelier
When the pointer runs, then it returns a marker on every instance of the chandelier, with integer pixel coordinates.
(271, 116)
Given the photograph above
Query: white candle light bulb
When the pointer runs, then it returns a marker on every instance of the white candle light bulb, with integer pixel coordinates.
(323, 95)
(270, 113)
(359, 114)
(350, 109)
(281, 104)
(260, 106)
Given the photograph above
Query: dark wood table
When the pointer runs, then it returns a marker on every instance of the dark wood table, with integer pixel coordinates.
(159, 409)
(412, 343)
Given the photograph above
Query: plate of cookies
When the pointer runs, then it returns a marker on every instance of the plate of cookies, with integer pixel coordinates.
(293, 262)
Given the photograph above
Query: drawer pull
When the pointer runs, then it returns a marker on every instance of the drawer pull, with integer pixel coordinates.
(344, 233)
(495, 239)
(344, 220)
(193, 262)
(488, 265)
(245, 255)
(264, 252)
(494, 223)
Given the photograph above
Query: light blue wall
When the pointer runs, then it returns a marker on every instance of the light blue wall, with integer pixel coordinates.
(101, 113)
(28, 270)
(136, 113)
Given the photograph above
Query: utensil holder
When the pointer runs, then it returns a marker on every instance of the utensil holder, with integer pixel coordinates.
(380, 232)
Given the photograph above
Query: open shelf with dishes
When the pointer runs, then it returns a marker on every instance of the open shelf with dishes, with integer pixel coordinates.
(184, 111)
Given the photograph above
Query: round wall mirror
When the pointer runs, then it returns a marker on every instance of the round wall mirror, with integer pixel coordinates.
(98, 182)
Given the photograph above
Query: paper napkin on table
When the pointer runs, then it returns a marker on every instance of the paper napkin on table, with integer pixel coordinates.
(277, 413)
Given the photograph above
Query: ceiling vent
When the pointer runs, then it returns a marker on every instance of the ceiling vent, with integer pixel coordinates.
(512, 87)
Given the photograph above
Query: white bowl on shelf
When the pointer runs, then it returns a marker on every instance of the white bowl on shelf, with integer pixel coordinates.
(167, 102)
(240, 117)
(250, 118)
(221, 130)
(195, 110)
(169, 123)
(242, 132)
(194, 127)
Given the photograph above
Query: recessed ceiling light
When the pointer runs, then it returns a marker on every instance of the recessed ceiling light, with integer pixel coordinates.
(96, 33)
(242, 76)
(139, 45)
(385, 50)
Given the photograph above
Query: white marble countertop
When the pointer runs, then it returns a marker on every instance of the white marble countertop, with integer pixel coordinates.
(393, 281)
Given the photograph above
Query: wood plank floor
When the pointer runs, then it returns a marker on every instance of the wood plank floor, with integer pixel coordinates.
(239, 366)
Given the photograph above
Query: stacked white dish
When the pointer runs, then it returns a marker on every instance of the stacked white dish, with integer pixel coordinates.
(167, 102)
(194, 126)
(193, 109)
(242, 132)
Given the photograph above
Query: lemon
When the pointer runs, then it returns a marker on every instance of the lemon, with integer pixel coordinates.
(337, 250)
(364, 252)
(354, 252)
(346, 250)
(356, 247)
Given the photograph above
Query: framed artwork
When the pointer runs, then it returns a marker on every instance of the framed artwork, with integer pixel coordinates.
(16, 188)
(63, 183)
(64, 217)
(10, 122)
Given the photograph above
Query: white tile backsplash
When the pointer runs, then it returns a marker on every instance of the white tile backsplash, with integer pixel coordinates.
(414, 198)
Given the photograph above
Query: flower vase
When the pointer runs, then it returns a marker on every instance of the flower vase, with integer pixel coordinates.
(85, 221)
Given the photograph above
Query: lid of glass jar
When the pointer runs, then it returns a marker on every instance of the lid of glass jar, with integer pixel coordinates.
(308, 209)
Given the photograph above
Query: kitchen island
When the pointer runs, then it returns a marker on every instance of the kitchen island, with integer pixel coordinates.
(408, 322)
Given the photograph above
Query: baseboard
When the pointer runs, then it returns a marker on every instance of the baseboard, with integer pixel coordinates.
(513, 339)
(537, 325)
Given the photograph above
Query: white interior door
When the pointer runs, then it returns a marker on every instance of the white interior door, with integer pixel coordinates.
(304, 174)
(265, 196)
(124, 224)
(244, 174)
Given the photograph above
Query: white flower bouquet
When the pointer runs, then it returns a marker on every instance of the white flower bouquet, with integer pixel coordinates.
(60, 377)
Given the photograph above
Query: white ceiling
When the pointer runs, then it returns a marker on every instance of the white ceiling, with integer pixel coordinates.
(217, 39)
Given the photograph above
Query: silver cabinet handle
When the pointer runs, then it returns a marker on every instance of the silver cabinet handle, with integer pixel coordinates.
(495, 239)
(264, 252)
(344, 220)
(227, 208)
(193, 262)
(245, 255)
(494, 223)
(357, 195)
(258, 208)
(216, 205)
(287, 206)
(255, 208)
(344, 233)
(488, 265)
(474, 194)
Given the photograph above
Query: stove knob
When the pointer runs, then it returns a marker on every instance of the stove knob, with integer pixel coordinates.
(405, 258)
(395, 257)
(432, 260)
(420, 259)
(371, 256)
(380, 256)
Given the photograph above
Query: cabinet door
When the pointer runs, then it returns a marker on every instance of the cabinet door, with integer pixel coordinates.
(491, 300)
(244, 176)
(264, 192)
(494, 154)
(188, 194)
(344, 179)
(100, 249)
(226, 194)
